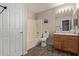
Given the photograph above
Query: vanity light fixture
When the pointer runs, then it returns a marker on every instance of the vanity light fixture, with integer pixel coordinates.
(63, 10)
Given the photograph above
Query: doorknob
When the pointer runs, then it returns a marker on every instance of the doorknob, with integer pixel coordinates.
(21, 32)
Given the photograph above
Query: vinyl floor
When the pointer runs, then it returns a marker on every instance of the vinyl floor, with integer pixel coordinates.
(47, 51)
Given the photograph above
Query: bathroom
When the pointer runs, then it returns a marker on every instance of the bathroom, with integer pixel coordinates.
(39, 29)
(59, 20)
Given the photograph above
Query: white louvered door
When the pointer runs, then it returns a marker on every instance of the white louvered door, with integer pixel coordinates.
(4, 29)
(11, 33)
(16, 31)
(0, 34)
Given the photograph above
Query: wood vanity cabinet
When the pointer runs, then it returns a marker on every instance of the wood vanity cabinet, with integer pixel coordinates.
(58, 42)
(67, 43)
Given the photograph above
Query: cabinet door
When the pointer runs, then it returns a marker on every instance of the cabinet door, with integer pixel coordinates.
(71, 44)
(58, 42)
(58, 45)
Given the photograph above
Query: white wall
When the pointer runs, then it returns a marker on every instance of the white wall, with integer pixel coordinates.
(77, 7)
(50, 15)
(66, 12)
(47, 15)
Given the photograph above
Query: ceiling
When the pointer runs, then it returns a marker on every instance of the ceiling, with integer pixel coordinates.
(39, 7)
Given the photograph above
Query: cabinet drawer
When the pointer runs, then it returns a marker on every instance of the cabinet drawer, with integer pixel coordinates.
(58, 39)
(73, 37)
(56, 35)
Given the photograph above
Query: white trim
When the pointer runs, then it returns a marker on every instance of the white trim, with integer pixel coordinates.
(25, 53)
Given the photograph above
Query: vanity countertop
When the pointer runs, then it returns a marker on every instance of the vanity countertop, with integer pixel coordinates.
(66, 34)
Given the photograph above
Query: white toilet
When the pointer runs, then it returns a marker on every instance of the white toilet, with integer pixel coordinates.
(44, 38)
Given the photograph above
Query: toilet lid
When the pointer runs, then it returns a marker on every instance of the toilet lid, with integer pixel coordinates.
(46, 35)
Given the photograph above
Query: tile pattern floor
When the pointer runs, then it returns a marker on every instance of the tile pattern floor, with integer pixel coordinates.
(47, 51)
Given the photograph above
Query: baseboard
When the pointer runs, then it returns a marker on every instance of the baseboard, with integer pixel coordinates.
(24, 53)
(33, 46)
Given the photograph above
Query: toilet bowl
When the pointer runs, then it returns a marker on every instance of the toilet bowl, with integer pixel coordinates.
(44, 39)
(43, 42)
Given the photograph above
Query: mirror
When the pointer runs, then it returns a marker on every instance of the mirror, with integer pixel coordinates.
(66, 25)
(75, 22)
